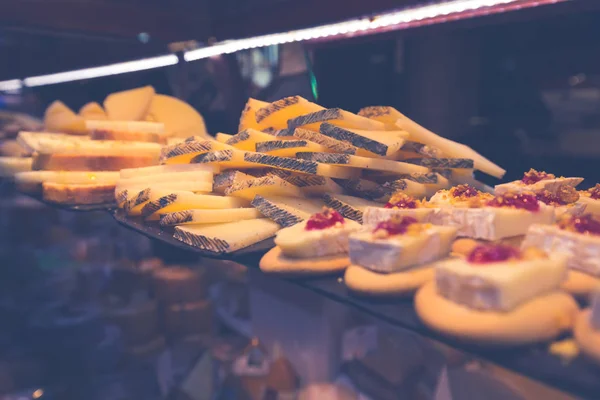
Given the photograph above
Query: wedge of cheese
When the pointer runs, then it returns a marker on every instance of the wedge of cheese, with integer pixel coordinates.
(265, 186)
(31, 181)
(226, 159)
(184, 152)
(287, 211)
(445, 163)
(73, 194)
(181, 201)
(362, 162)
(167, 169)
(90, 162)
(374, 215)
(310, 185)
(9, 166)
(334, 146)
(395, 253)
(378, 143)
(394, 120)
(33, 141)
(411, 188)
(276, 115)
(302, 166)
(129, 105)
(97, 147)
(288, 148)
(296, 242)
(349, 206)
(592, 206)
(551, 185)
(222, 137)
(200, 216)
(225, 180)
(131, 131)
(425, 178)
(364, 188)
(93, 111)
(196, 186)
(180, 119)
(247, 139)
(61, 119)
(248, 118)
(228, 237)
(499, 286)
(416, 150)
(334, 116)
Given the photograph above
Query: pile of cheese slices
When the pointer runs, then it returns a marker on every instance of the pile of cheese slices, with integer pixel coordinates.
(288, 160)
(77, 159)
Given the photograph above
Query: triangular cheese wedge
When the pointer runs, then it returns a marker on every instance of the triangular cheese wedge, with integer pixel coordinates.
(276, 115)
(93, 111)
(129, 105)
(180, 119)
(248, 118)
(61, 119)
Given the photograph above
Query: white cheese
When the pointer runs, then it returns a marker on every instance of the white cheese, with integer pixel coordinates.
(374, 215)
(287, 211)
(200, 216)
(349, 206)
(551, 185)
(592, 206)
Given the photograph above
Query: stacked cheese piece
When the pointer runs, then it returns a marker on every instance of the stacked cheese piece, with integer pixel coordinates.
(292, 156)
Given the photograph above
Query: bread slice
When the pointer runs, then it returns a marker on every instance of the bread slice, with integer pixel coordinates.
(90, 162)
(129, 131)
(66, 193)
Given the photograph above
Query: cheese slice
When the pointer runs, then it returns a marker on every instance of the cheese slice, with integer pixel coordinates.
(75, 194)
(93, 111)
(394, 120)
(363, 188)
(362, 162)
(302, 166)
(31, 181)
(185, 200)
(460, 176)
(446, 163)
(200, 216)
(132, 131)
(296, 242)
(183, 153)
(228, 237)
(334, 146)
(378, 143)
(310, 185)
(287, 211)
(32, 141)
(128, 173)
(266, 185)
(61, 119)
(416, 150)
(499, 286)
(276, 115)
(222, 137)
(411, 188)
(248, 117)
(288, 148)
(374, 215)
(97, 147)
(180, 119)
(396, 253)
(592, 206)
(91, 162)
(121, 197)
(424, 178)
(9, 166)
(247, 139)
(334, 116)
(349, 206)
(226, 179)
(226, 159)
(129, 105)
(551, 185)
(206, 177)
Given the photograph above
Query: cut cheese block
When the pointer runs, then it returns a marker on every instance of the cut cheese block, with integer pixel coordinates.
(93, 111)
(33, 141)
(180, 119)
(9, 166)
(129, 105)
(90, 162)
(199, 216)
(177, 201)
(334, 146)
(311, 185)
(446, 163)
(303, 166)
(349, 206)
(374, 215)
(411, 188)
(265, 186)
(139, 198)
(166, 169)
(415, 149)
(286, 211)
(31, 181)
(377, 142)
(277, 114)
(203, 176)
(225, 180)
(73, 194)
(396, 253)
(393, 118)
(61, 119)
(96, 147)
(160, 189)
(364, 188)
(500, 286)
(131, 131)
(248, 117)
(222, 137)
(288, 148)
(182, 153)
(247, 139)
(337, 117)
(226, 159)
(228, 237)
(363, 162)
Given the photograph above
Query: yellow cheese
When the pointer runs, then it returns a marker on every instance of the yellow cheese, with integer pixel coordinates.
(185, 200)
(226, 179)
(199, 216)
(310, 185)
(378, 143)
(302, 166)
(349, 206)
(166, 169)
(129, 105)
(287, 211)
(276, 115)
(336, 117)
(363, 162)
(228, 237)
(133, 131)
(93, 111)
(180, 119)
(31, 181)
(222, 137)
(169, 177)
(265, 186)
(183, 153)
(248, 118)
(288, 148)
(31, 141)
(247, 139)
(334, 146)
(61, 119)
(9, 166)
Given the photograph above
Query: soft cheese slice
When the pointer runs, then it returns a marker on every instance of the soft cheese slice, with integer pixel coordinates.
(225, 180)
(374, 215)
(276, 115)
(362, 162)
(396, 120)
(248, 117)
(287, 211)
(93, 111)
(184, 152)
(265, 186)
(129, 105)
(199, 216)
(31, 181)
(131, 131)
(349, 206)
(9, 166)
(166, 169)
(499, 286)
(228, 237)
(334, 146)
(288, 148)
(302, 166)
(180, 119)
(335, 117)
(181, 201)
(582, 251)
(296, 242)
(310, 185)
(396, 253)
(247, 139)
(551, 185)
(378, 143)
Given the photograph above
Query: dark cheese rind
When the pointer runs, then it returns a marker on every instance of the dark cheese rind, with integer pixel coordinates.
(430, 177)
(176, 218)
(224, 180)
(213, 156)
(121, 197)
(138, 199)
(274, 212)
(343, 208)
(421, 149)
(202, 242)
(293, 164)
(267, 110)
(354, 139)
(180, 149)
(300, 180)
(374, 111)
(466, 163)
(335, 145)
(153, 206)
(268, 180)
(265, 147)
(395, 186)
(237, 138)
(446, 173)
(325, 158)
(382, 177)
(364, 188)
(315, 117)
(277, 132)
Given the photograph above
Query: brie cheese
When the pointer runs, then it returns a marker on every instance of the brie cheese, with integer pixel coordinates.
(551, 185)
(592, 206)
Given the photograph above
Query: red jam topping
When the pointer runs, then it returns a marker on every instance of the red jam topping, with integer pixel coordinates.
(532, 176)
(550, 199)
(401, 200)
(464, 191)
(595, 192)
(324, 220)
(582, 224)
(484, 254)
(524, 201)
(395, 226)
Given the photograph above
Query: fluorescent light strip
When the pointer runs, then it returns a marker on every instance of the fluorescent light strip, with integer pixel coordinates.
(106, 70)
(13, 84)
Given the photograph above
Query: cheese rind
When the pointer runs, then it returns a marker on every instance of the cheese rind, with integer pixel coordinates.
(286, 211)
(336, 117)
(374, 142)
(551, 185)
(199, 216)
(266, 185)
(182, 153)
(184, 200)
(303, 166)
(276, 115)
(228, 237)
(335, 146)
(349, 206)
(396, 253)
(499, 286)
(226, 179)
(374, 215)
(287, 148)
(248, 117)
(247, 139)
(449, 163)
(362, 162)
(310, 185)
